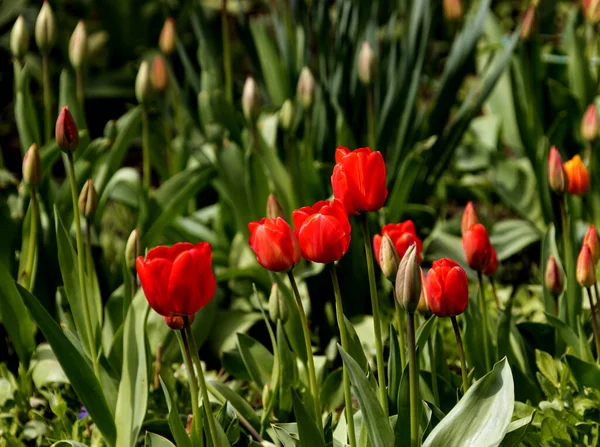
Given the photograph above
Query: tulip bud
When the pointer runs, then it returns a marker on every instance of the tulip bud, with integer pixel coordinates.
(277, 306)
(554, 277)
(556, 173)
(274, 208)
(66, 132)
(578, 177)
(493, 265)
(110, 131)
(453, 10)
(32, 167)
(529, 22)
(143, 85)
(166, 41)
(88, 199)
(286, 114)
(469, 218)
(78, 46)
(305, 91)
(132, 249)
(159, 76)
(591, 239)
(19, 38)
(45, 29)
(408, 280)
(388, 258)
(251, 99)
(591, 10)
(267, 396)
(586, 270)
(176, 322)
(589, 123)
(366, 64)
(423, 305)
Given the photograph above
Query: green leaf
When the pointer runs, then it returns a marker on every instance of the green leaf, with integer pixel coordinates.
(482, 416)
(579, 344)
(257, 359)
(516, 431)
(355, 348)
(26, 116)
(511, 236)
(177, 429)
(377, 424)
(68, 444)
(586, 374)
(307, 427)
(45, 369)
(154, 440)
(238, 403)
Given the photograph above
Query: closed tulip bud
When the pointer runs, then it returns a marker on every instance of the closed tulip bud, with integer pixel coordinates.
(143, 84)
(477, 247)
(267, 396)
(557, 179)
(286, 114)
(469, 218)
(453, 10)
(492, 267)
(591, 10)
(166, 41)
(110, 131)
(447, 288)
(586, 270)
(66, 131)
(589, 123)
(529, 22)
(278, 309)
(591, 240)
(45, 28)
(402, 234)
(408, 280)
(275, 244)
(32, 167)
(19, 38)
(251, 99)
(78, 46)
(88, 199)
(274, 208)
(305, 91)
(177, 322)
(366, 64)
(159, 76)
(423, 305)
(577, 175)
(554, 278)
(388, 258)
(132, 248)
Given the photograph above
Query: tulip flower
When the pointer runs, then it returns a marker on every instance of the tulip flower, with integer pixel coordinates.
(358, 179)
(492, 267)
(554, 278)
(32, 167)
(453, 10)
(402, 234)
(366, 63)
(159, 76)
(251, 100)
(305, 90)
(387, 257)
(589, 123)
(323, 231)
(577, 176)
(19, 38)
(477, 246)
(177, 280)
(586, 270)
(166, 41)
(408, 281)
(557, 179)
(591, 240)
(275, 244)
(447, 288)
(274, 208)
(66, 132)
(132, 248)
(469, 218)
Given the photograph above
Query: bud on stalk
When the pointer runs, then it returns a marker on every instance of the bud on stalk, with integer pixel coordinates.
(423, 305)
(554, 278)
(45, 29)
(19, 38)
(408, 280)
(274, 208)
(251, 99)
(159, 75)
(286, 114)
(166, 41)
(469, 218)
(453, 10)
(88, 199)
(586, 270)
(132, 249)
(589, 123)
(176, 322)
(143, 85)
(32, 167)
(110, 131)
(556, 174)
(529, 22)
(78, 46)
(389, 260)
(591, 239)
(277, 306)
(66, 131)
(366, 64)
(305, 91)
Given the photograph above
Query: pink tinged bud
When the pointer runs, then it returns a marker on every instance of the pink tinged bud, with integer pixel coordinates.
(166, 41)
(45, 28)
(32, 167)
(591, 240)
(66, 132)
(408, 280)
(159, 76)
(589, 123)
(274, 208)
(469, 218)
(453, 10)
(366, 64)
(554, 278)
(586, 269)
(556, 173)
(529, 22)
(78, 46)
(591, 10)
(388, 258)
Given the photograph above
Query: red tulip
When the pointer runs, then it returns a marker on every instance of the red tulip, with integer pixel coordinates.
(275, 244)
(492, 267)
(477, 246)
(591, 239)
(557, 179)
(358, 179)
(402, 234)
(586, 270)
(447, 288)
(323, 231)
(469, 218)
(577, 175)
(66, 132)
(177, 280)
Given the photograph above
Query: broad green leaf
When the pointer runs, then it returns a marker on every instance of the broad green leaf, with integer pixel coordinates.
(511, 236)
(307, 427)
(154, 440)
(355, 349)
(68, 444)
(45, 369)
(258, 360)
(177, 429)
(516, 431)
(586, 374)
(26, 116)
(241, 406)
(579, 344)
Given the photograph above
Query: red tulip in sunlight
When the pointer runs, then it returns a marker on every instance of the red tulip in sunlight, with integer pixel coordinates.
(586, 271)
(66, 132)
(358, 179)
(477, 246)
(591, 239)
(402, 234)
(557, 179)
(323, 231)
(447, 288)
(177, 280)
(469, 218)
(492, 267)
(577, 176)
(275, 244)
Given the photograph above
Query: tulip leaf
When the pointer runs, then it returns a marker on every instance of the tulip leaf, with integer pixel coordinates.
(68, 444)
(482, 416)
(25, 114)
(241, 406)
(257, 359)
(586, 373)
(154, 440)
(307, 427)
(516, 431)
(182, 439)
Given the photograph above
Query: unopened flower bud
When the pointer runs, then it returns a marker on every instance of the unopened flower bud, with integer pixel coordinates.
(286, 114)
(267, 396)
(305, 91)
(19, 38)
(388, 258)
(166, 41)
(32, 167)
(366, 64)
(408, 280)
(78, 46)
(586, 269)
(591, 10)
(45, 28)
(143, 84)
(176, 322)
(88, 199)
(556, 174)
(251, 99)
(554, 278)
(274, 208)
(577, 175)
(66, 131)
(589, 123)
(132, 249)
(159, 75)
(529, 22)
(423, 305)
(277, 306)
(469, 218)
(110, 131)
(453, 10)
(591, 239)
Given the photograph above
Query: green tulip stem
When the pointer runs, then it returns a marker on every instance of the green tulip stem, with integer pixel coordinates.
(594, 323)
(413, 380)
(47, 97)
(376, 317)
(312, 374)
(201, 380)
(146, 170)
(371, 116)
(484, 323)
(494, 293)
(79, 91)
(81, 264)
(434, 379)
(400, 329)
(33, 223)
(344, 339)
(566, 251)
(185, 351)
(461, 354)
(226, 53)
(88, 248)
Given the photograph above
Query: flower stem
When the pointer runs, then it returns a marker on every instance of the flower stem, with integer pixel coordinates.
(146, 149)
(185, 350)
(312, 375)
(79, 91)
(493, 284)
(371, 116)
(203, 390)
(344, 339)
(226, 53)
(47, 97)
(484, 323)
(434, 381)
(413, 380)
(461, 354)
(376, 317)
(32, 240)
(566, 251)
(88, 247)
(400, 329)
(594, 323)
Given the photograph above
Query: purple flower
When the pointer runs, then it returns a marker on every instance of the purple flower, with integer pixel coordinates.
(83, 414)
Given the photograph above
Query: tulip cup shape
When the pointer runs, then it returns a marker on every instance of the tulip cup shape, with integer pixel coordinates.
(577, 176)
(403, 235)
(178, 280)
(447, 288)
(275, 244)
(591, 240)
(557, 179)
(469, 218)
(477, 246)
